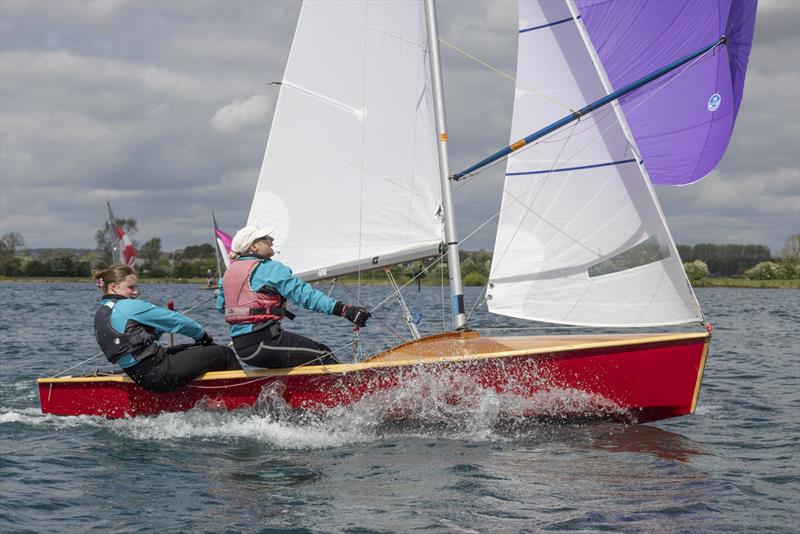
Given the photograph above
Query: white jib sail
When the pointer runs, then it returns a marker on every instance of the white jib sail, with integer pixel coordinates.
(350, 176)
(580, 238)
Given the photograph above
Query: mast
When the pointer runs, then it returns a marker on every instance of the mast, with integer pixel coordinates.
(451, 240)
(116, 251)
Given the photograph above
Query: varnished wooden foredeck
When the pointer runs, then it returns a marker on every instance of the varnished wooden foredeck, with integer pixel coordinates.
(471, 344)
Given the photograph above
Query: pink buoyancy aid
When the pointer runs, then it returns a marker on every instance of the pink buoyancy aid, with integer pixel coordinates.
(242, 304)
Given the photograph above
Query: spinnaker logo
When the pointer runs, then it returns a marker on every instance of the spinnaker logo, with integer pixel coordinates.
(714, 101)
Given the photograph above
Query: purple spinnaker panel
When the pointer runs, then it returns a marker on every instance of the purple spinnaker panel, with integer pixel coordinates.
(682, 123)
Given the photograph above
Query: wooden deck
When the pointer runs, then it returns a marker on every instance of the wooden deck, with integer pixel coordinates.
(458, 345)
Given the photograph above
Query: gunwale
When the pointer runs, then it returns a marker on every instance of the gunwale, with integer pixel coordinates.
(471, 346)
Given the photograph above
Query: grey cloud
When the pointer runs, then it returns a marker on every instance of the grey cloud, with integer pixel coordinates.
(118, 99)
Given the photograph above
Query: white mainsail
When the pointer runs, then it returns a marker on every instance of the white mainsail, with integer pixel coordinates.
(581, 239)
(349, 179)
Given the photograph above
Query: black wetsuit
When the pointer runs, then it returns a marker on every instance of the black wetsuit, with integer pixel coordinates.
(128, 331)
(273, 347)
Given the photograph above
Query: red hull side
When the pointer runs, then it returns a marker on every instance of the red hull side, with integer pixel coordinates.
(635, 382)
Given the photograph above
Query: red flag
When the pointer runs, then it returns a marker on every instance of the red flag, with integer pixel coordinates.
(128, 252)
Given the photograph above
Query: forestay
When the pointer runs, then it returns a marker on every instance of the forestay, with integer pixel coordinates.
(349, 179)
(581, 238)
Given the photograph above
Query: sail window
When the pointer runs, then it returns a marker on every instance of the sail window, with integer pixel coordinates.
(648, 251)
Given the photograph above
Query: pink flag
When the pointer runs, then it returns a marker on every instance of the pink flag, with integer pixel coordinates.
(224, 244)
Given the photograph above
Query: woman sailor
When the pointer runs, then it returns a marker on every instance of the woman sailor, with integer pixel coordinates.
(253, 297)
(128, 330)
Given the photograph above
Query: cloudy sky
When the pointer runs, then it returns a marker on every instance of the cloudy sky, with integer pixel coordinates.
(164, 108)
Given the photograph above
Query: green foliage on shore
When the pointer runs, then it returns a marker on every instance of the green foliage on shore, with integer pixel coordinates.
(707, 265)
(16, 261)
(696, 271)
(725, 260)
(747, 283)
(769, 270)
(201, 281)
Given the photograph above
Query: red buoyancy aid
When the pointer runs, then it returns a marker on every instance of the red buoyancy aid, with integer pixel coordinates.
(242, 304)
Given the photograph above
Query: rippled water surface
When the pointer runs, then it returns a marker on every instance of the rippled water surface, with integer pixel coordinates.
(732, 466)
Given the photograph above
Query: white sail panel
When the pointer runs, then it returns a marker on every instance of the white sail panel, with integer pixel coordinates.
(580, 239)
(350, 174)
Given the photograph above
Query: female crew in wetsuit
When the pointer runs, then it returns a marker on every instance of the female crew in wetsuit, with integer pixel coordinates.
(128, 331)
(253, 295)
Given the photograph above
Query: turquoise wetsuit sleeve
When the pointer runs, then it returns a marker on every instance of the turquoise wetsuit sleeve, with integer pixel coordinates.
(162, 319)
(220, 297)
(278, 276)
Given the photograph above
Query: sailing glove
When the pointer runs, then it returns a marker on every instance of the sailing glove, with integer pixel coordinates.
(206, 339)
(355, 314)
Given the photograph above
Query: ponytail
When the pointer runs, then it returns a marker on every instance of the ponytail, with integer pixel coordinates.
(115, 274)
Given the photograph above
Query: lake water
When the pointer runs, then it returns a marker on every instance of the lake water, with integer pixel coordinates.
(731, 467)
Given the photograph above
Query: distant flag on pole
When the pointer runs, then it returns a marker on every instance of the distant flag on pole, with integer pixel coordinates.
(224, 244)
(123, 250)
(223, 241)
(128, 253)
(112, 234)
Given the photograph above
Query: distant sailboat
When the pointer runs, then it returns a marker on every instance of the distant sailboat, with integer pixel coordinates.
(581, 237)
(123, 250)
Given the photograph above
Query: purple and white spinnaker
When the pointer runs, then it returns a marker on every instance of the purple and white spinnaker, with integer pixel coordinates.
(681, 123)
(581, 237)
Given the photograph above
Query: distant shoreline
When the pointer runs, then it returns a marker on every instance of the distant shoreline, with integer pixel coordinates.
(201, 282)
(744, 282)
(86, 280)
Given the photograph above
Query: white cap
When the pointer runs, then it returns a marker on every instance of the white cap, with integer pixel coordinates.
(246, 236)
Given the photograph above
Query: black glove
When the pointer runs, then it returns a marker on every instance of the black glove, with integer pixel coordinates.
(355, 314)
(206, 339)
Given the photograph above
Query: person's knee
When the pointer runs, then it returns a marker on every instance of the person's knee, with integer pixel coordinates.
(229, 357)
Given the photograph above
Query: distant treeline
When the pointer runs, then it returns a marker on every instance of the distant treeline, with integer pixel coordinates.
(196, 260)
(725, 260)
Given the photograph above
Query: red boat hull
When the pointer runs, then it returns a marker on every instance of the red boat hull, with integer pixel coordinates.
(635, 378)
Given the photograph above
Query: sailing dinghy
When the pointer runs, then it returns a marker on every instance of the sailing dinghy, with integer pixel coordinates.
(619, 96)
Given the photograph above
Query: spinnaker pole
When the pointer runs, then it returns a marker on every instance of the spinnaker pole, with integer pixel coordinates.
(588, 109)
(451, 239)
